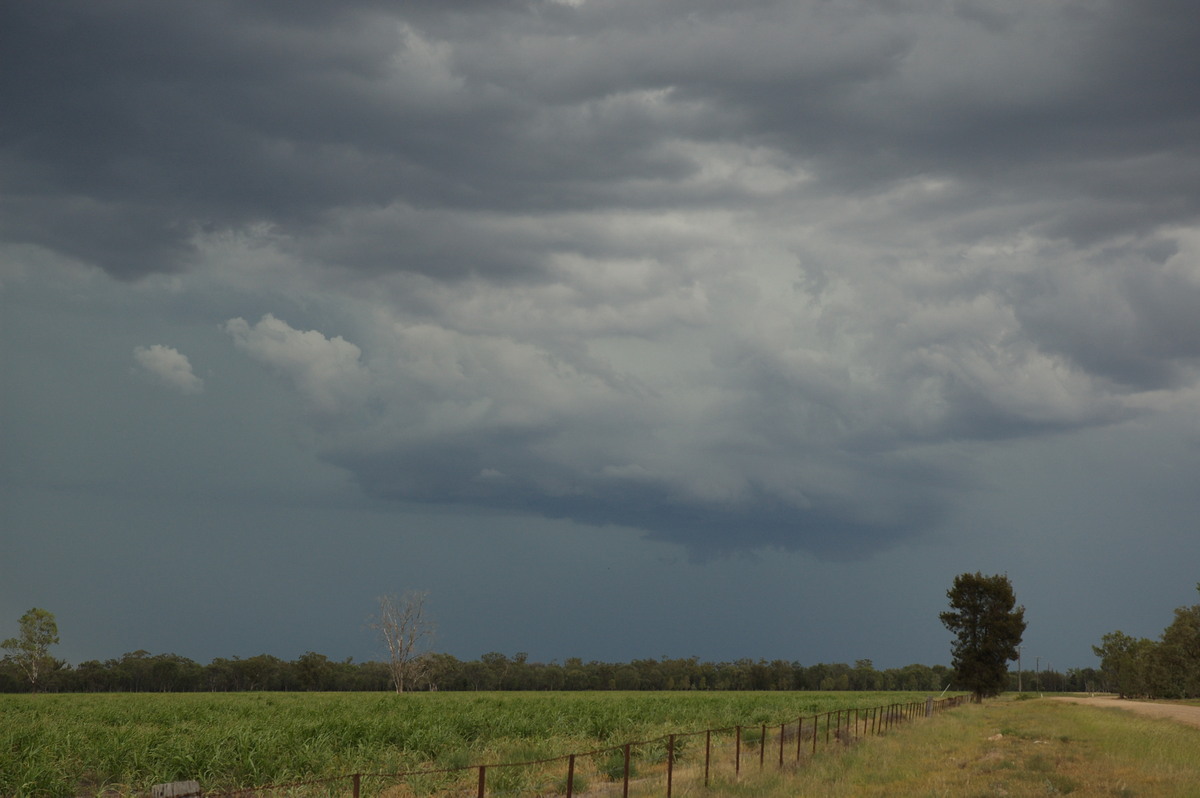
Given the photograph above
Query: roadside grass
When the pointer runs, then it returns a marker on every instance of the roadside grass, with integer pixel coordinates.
(1003, 748)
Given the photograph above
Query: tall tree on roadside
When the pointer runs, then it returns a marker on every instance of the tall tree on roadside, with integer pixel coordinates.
(988, 627)
(1177, 656)
(1125, 663)
(405, 631)
(30, 649)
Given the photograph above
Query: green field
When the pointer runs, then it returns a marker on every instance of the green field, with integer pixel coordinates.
(79, 744)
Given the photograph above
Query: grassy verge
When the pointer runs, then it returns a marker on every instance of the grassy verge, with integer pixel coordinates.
(1004, 748)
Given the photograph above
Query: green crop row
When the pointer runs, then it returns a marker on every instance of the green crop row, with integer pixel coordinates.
(79, 744)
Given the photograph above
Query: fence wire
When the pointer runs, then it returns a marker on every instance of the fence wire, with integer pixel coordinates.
(655, 767)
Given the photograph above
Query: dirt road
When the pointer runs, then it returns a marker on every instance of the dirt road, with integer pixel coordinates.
(1184, 714)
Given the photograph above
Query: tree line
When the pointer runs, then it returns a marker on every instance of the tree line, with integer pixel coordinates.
(1165, 668)
(141, 671)
(984, 616)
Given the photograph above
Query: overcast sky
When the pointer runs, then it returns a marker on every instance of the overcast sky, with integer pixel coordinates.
(623, 328)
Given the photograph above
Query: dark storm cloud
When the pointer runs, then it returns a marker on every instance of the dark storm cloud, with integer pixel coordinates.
(752, 272)
(141, 124)
(151, 123)
(891, 500)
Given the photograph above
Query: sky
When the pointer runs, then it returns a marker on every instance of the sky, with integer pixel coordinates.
(623, 329)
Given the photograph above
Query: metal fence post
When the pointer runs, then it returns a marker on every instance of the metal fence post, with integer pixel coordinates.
(570, 775)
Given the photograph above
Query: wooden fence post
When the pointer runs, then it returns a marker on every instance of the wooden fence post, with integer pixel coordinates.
(670, 762)
(625, 790)
(707, 753)
(737, 753)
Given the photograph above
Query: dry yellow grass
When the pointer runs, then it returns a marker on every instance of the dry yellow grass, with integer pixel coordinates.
(1003, 748)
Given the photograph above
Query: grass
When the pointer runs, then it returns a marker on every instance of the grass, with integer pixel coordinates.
(121, 744)
(1004, 748)
(61, 746)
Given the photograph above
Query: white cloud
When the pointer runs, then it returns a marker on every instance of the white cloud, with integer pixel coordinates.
(327, 371)
(169, 366)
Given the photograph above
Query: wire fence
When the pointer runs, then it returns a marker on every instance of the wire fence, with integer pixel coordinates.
(658, 766)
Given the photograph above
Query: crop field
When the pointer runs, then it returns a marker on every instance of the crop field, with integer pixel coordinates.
(80, 744)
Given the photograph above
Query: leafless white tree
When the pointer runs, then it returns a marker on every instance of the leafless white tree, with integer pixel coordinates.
(406, 632)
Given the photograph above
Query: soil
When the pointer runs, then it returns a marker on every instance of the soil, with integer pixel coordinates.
(1180, 712)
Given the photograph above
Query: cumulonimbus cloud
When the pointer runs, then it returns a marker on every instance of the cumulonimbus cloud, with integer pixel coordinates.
(752, 273)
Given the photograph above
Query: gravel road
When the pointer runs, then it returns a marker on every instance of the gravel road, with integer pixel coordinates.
(1184, 714)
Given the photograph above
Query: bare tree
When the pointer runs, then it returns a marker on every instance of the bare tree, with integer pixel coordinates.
(406, 632)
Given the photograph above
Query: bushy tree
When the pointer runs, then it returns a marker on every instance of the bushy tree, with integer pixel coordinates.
(1125, 663)
(988, 625)
(1177, 656)
(1166, 668)
(30, 649)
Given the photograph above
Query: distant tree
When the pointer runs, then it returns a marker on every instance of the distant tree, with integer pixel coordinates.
(405, 632)
(314, 671)
(497, 665)
(988, 627)
(864, 676)
(132, 670)
(260, 672)
(29, 650)
(914, 677)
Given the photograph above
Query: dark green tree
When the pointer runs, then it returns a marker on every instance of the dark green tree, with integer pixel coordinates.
(1125, 663)
(987, 624)
(1177, 656)
(30, 649)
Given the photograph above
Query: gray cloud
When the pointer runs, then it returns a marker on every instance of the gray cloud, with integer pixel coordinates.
(159, 124)
(740, 275)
